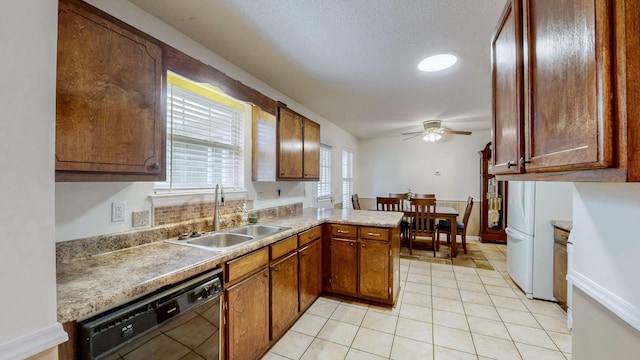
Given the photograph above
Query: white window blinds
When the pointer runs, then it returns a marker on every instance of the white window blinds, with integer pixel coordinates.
(347, 179)
(204, 141)
(324, 185)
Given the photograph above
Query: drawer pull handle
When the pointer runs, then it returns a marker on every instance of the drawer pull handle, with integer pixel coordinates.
(373, 234)
(311, 236)
(342, 231)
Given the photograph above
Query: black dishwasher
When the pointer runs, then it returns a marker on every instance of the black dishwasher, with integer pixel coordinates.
(171, 323)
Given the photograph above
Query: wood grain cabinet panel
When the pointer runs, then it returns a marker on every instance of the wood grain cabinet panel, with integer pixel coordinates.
(284, 294)
(289, 144)
(310, 275)
(247, 315)
(575, 64)
(507, 72)
(344, 266)
(311, 153)
(560, 260)
(109, 110)
(373, 274)
(570, 78)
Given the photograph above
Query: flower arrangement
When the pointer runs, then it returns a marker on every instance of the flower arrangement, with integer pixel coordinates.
(409, 194)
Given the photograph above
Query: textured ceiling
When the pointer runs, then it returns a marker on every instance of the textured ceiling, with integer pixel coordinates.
(354, 62)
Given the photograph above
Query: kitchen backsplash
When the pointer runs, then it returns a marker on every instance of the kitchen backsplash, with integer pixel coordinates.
(168, 223)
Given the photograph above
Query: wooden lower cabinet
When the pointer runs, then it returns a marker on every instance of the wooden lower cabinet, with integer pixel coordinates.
(310, 273)
(284, 294)
(560, 259)
(363, 262)
(373, 274)
(344, 266)
(247, 317)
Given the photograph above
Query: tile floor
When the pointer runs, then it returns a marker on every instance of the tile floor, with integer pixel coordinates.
(444, 312)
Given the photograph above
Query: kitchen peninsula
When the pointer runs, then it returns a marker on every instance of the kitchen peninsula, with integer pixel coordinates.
(89, 285)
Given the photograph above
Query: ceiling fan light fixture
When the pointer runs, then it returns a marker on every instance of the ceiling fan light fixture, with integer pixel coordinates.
(437, 62)
(432, 137)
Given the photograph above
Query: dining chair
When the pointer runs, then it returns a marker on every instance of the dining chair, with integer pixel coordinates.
(424, 196)
(444, 227)
(388, 204)
(394, 203)
(355, 202)
(423, 220)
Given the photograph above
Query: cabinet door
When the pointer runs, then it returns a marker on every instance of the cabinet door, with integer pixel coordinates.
(248, 317)
(284, 294)
(560, 273)
(374, 269)
(109, 121)
(311, 150)
(310, 273)
(289, 144)
(506, 66)
(570, 115)
(344, 266)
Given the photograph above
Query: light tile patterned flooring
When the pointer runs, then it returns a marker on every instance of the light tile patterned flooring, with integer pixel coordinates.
(444, 312)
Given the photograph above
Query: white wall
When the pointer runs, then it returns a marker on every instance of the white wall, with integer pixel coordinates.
(83, 209)
(393, 165)
(27, 128)
(606, 235)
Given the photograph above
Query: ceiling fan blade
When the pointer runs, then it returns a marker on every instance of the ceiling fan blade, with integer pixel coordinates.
(412, 133)
(448, 131)
(411, 137)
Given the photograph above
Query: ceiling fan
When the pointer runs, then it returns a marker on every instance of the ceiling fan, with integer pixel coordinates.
(433, 131)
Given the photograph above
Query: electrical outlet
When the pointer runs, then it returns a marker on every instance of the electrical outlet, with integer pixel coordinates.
(117, 211)
(140, 218)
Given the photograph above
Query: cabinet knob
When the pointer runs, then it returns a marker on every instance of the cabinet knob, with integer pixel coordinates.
(511, 163)
(155, 166)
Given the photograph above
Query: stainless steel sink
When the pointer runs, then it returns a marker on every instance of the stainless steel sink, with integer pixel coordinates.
(225, 240)
(220, 240)
(258, 230)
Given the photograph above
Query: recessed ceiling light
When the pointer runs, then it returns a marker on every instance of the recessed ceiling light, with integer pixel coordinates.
(437, 62)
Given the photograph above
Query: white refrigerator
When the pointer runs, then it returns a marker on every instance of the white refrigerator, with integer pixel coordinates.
(530, 208)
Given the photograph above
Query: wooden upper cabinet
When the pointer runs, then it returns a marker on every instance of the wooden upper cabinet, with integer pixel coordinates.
(570, 118)
(109, 109)
(289, 144)
(581, 111)
(311, 146)
(506, 72)
(285, 147)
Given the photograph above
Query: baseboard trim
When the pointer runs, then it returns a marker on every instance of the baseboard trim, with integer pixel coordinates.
(623, 309)
(34, 343)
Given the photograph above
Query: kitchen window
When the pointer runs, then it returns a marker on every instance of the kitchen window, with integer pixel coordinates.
(347, 179)
(205, 137)
(324, 185)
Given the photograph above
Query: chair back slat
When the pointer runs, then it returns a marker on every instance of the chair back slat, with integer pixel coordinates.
(467, 212)
(423, 217)
(388, 203)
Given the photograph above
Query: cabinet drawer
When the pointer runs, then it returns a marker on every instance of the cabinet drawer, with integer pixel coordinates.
(561, 236)
(344, 231)
(238, 268)
(310, 235)
(283, 247)
(374, 233)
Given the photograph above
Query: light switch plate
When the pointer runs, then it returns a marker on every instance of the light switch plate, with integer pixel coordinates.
(140, 218)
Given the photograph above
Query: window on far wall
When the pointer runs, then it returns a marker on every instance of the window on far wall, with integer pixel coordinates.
(324, 185)
(347, 179)
(205, 137)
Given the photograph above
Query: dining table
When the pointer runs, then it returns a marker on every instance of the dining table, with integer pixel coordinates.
(439, 212)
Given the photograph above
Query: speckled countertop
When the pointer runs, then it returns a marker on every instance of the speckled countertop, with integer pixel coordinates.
(103, 281)
(566, 225)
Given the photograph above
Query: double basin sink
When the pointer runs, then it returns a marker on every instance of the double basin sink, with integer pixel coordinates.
(226, 240)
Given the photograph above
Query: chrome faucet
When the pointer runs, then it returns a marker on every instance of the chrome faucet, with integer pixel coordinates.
(216, 212)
